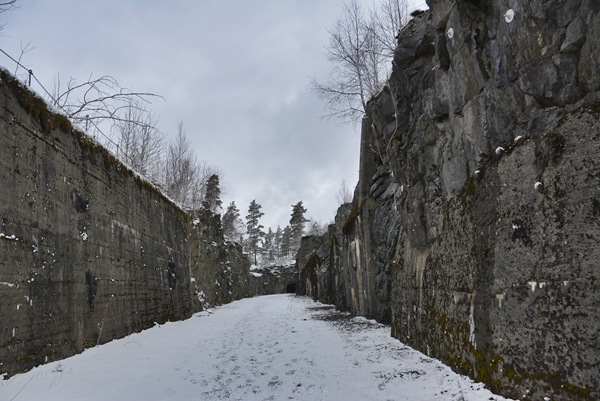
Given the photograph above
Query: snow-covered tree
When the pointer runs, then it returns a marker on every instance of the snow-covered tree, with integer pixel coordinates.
(286, 242)
(233, 226)
(277, 241)
(268, 248)
(212, 195)
(297, 225)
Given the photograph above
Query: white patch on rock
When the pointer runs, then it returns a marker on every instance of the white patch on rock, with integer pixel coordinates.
(500, 298)
(509, 15)
(450, 33)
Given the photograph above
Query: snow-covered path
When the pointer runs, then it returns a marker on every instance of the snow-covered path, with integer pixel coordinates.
(278, 347)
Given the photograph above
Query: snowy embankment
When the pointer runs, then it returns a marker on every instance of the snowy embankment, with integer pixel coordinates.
(277, 347)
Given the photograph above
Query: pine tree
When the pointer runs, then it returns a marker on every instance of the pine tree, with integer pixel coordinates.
(268, 251)
(297, 225)
(286, 242)
(212, 197)
(231, 221)
(253, 228)
(277, 242)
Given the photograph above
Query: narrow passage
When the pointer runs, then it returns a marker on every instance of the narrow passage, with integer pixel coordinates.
(278, 347)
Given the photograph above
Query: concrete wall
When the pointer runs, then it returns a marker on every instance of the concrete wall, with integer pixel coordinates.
(97, 253)
(89, 251)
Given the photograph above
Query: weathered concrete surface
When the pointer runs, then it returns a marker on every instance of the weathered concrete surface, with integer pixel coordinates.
(89, 251)
(475, 228)
(97, 253)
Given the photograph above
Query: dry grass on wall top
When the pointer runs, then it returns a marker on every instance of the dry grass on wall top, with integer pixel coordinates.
(35, 106)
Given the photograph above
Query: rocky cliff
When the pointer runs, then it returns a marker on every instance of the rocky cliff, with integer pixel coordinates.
(475, 226)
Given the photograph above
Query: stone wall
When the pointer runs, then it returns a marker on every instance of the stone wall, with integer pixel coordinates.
(475, 227)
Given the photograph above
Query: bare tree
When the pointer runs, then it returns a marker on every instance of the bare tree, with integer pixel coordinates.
(182, 172)
(344, 195)
(185, 178)
(387, 20)
(138, 141)
(315, 228)
(360, 50)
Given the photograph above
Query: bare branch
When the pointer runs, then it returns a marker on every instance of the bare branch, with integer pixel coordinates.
(24, 50)
(8, 5)
(344, 195)
(100, 100)
(360, 50)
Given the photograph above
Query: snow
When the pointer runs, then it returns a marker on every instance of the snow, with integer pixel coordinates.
(277, 347)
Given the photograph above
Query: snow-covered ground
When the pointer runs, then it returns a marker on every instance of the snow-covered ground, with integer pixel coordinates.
(277, 347)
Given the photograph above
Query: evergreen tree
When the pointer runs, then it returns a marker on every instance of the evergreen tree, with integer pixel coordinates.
(212, 197)
(253, 228)
(297, 225)
(286, 242)
(231, 221)
(277, 242)
(268, 250)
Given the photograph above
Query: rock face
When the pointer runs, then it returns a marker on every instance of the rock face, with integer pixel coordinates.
(274, 279)
(475, 227)
(89, 251)
(220, 271)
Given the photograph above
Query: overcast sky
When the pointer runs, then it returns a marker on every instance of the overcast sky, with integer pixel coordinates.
(235, 72)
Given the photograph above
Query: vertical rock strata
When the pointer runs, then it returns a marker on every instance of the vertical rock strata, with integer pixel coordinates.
(475, 226)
